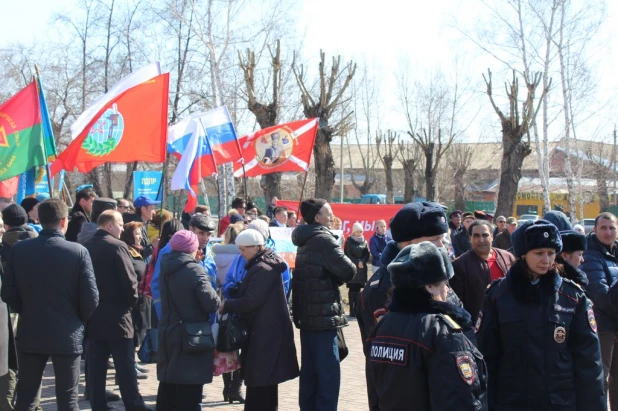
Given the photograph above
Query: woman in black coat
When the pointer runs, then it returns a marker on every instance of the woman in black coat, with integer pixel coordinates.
(270, 357)
(538, 332)
(357, 251)
(187, 296)
(132, 236)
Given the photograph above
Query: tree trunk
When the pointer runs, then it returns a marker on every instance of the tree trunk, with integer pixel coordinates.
(128, 182)
(460, 190)
(388, 169)
(271, 185)
(107, 177)
(602, 190)
(93, 178)
(409, 167)
(515, 150)
(430, 182)
(324, 167)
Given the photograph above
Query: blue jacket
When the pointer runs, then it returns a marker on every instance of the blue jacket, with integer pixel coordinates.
(377, 243)
(237, 272)
(601, 267)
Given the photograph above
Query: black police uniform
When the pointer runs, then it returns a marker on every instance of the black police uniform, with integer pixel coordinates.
(421, 359)
(540, 344)
(373, 305)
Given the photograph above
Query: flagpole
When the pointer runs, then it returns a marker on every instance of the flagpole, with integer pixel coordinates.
(161, 189)
(47, 171)
(302, 191)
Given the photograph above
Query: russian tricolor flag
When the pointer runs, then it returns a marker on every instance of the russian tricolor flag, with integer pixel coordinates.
(201, 141)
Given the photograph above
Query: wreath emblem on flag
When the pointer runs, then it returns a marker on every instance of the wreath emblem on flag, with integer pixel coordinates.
(105, 134)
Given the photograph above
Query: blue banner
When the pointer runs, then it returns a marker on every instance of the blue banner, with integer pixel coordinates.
(147, 183)
(27, 185)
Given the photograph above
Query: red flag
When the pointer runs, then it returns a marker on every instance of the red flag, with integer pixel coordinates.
(8, 188)
(286, 147)
(131, 126)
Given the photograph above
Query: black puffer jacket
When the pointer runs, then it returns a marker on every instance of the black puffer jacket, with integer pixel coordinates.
(540, 345)
(78, 218)
(321, 267)
(184, 287)
(50, 282)
(422, 356)
(357, 252)
(461, 242)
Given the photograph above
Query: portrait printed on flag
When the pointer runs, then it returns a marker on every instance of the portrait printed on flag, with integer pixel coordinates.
(275, 148)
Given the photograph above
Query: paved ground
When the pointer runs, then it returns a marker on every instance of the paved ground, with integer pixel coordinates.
(353, 395)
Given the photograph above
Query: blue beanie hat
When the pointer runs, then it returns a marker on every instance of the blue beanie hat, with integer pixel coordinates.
(559, 219)
(418, 219)
(420, 264)
(532, 235)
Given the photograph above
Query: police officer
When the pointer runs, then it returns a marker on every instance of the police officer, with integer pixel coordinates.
(414, 223)
(420, 356)
(538, 332)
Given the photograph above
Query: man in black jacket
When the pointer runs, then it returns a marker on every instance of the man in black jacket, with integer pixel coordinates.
(321, 267)
(413, 224)
(14, 218)
(461, 241)
(110, 329)
(80, 214)
(42, 273)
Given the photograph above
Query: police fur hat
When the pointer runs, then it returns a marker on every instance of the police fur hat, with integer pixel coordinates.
(102, 204)
(418, 265)
(418, 219)
(559, 219)
(535, 234)
(572, 241)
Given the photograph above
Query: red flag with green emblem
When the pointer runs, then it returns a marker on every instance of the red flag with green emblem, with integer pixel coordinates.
(21, 133)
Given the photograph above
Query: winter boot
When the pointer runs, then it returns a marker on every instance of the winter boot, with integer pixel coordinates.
(235, 393)
(227, 379)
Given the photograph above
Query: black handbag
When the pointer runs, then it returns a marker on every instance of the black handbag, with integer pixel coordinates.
(342, 347)
(196, 336)
(233, 334)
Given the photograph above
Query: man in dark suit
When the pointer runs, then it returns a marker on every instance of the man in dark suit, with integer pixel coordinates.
(280, 217)
(110, 329)
(49, 282)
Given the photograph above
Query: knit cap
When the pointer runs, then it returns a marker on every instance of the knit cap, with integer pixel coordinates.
(184, 241)
(249, 238)
(310, 208)
(357, 227)
(14, 215)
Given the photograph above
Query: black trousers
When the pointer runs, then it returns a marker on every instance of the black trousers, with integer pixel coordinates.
(123, 353)
(66, 370)
(179, 397)
(262, 398)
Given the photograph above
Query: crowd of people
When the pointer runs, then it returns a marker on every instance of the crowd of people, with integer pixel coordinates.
(454, 313)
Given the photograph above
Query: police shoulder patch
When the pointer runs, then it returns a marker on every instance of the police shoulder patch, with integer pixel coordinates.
(450, 322)
(479, 321)
(591, 319)
(466, 369)
(389, 353)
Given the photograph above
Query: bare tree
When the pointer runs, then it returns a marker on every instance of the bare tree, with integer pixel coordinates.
(267, 115)
(330, 99)
(430, 109)
(515, 127)
(411, 157)
(387, 156)
(460, 158)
